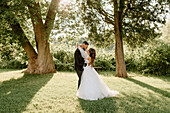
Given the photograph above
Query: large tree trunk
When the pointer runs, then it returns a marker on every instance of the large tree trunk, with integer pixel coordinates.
(37, 64)
(40, 63)
(31, 53)
(44, 61)
(119, 54)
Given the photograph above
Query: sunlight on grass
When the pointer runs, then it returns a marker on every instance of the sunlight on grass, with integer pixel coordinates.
(57, 93)
(6, 74)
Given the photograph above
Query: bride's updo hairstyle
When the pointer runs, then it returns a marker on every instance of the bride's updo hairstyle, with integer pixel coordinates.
(92, 55)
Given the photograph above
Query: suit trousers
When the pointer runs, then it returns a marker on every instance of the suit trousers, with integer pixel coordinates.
(79, 73)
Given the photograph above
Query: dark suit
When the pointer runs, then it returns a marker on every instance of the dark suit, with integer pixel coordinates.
(79, 62)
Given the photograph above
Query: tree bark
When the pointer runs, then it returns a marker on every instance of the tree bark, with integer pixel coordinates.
(44, 62)
(119, 54)
(32, 55)
(51, 16)
(41, 62)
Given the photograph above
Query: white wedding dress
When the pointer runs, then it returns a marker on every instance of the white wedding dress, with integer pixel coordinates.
(92, 87)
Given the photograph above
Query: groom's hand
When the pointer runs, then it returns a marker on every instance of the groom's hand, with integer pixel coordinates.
(77, 45)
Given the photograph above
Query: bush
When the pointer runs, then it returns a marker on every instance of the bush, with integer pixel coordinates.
(154, 60)
(107, 62)
(64, 56)
(13, 58)
(64, 60)
(64, 67)
(130, 64)
(12, 64)
(157, 61)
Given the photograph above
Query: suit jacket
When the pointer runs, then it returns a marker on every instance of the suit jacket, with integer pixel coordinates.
(79, 60)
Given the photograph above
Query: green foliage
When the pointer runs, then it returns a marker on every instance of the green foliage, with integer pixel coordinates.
(107, 62)
(64, 56)
(140, 20)
(64, 60)
(157, 61)
(153, 59)
(130, 64)
(12, 56)
(100, 32)
(13, 64)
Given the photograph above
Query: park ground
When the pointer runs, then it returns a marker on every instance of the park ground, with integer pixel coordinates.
(53, 93)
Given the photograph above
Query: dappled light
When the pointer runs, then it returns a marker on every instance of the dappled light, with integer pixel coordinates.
(56, 93)
(113, 54)
(16, 93)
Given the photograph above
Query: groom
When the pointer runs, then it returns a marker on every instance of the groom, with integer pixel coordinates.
(79, 61)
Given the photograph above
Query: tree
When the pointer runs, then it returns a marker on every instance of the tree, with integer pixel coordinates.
(40, 61)
(134, 21)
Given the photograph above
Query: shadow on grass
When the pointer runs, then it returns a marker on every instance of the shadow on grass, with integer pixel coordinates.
(142, 103)
(164, 78)
(106, 105)
(16, 94)
(157, 90)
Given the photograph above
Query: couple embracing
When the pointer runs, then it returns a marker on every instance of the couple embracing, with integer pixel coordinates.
(90, 84)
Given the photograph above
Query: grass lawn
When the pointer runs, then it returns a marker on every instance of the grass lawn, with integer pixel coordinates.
(53, 93)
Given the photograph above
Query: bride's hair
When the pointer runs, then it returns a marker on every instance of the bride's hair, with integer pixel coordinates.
(92, 55)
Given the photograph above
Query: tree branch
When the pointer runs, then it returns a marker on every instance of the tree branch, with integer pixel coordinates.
(36, 18)
(19, 33)
(108, 17)
(51, 16)
(17, 30)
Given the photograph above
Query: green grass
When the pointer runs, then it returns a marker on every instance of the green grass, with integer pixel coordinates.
(55, 93)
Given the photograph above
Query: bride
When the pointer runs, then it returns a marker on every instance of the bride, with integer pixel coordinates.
(92, 87)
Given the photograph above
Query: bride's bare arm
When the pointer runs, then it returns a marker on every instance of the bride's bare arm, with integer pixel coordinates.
(89, 59)
(83, 53)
